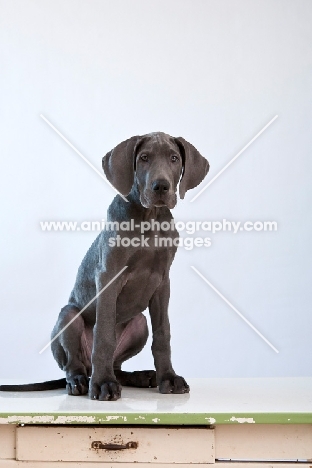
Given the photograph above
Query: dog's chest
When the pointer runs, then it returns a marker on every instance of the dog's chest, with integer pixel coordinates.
(145, 273)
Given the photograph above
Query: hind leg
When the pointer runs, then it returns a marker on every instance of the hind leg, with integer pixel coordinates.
(70, 350)
(131, 339)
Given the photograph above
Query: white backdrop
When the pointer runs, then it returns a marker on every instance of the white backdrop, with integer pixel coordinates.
(215, 72)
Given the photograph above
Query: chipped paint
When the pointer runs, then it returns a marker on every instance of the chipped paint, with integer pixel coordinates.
(47, 419)
(4, 421)
(210, 420)
(59, 419)
(243, 420)
(27, 420)
(153, 418)
(74, 419)
(114, 418)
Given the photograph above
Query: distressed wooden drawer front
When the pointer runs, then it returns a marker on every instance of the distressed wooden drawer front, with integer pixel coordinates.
(7, 441)
(264, 442)
(116, 444)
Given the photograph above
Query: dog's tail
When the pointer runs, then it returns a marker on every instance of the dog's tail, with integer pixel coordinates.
(35, 387)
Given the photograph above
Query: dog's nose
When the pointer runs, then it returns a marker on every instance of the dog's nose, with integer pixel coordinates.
(160, 186)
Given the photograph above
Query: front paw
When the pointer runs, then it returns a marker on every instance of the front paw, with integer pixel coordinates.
(106, 390)
(171, 383)
(77, 384)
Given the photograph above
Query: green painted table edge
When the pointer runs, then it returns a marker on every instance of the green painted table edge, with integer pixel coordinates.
(189, 419)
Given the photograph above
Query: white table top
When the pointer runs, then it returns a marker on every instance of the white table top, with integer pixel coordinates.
(211, 401)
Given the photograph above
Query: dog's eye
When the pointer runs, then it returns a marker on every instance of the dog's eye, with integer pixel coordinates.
(174, 158)
(144, 157)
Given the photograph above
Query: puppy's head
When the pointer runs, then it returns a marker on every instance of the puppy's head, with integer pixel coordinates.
(156, 162)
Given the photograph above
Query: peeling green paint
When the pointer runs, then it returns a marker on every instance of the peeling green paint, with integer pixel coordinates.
(203, 419)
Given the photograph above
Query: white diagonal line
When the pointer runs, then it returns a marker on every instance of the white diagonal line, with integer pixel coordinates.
(232, 160)
(84, 308)
(81, 155)
(235, 310)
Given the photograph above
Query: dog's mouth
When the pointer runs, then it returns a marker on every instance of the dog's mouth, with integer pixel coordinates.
(169, 201)
(160, 203)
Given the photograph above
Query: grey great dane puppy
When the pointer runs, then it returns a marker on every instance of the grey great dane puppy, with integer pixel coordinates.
(147, 169)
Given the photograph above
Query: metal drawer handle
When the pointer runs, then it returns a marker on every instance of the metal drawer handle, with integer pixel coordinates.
(97, 444)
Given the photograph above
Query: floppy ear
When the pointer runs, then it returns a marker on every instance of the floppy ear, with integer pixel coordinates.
(118, 165)
(195, 166)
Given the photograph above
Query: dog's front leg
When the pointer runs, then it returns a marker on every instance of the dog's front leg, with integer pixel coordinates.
(103, 384)
(168, 381)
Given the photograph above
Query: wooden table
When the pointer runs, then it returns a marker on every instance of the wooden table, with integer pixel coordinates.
(229, 422)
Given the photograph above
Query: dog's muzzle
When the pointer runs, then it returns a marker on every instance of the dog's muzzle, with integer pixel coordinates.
(159, 194)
